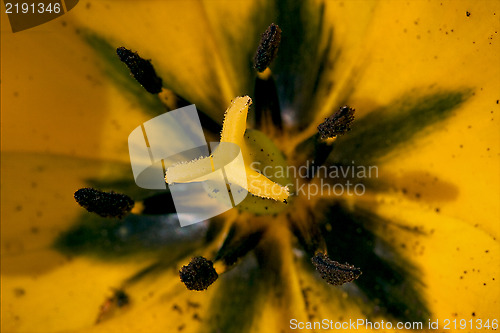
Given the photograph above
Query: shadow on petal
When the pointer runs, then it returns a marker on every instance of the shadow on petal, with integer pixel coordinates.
(388, 128)
(134, 235)
(235, 305)
(390, 284)
(417, 185)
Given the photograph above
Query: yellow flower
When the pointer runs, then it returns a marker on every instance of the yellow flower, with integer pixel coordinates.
(424, 80)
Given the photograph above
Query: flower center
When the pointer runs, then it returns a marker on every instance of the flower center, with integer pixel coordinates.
(269, 175)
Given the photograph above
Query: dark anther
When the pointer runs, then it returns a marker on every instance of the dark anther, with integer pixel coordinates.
(141, 70)
(337, 124)
(333, 272)
(268, 47)
(105, 204)
(198, 274)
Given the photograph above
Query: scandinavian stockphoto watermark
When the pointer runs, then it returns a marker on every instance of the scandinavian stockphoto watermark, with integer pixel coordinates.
(310, 180)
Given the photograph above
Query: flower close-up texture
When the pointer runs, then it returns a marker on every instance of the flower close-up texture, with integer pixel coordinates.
(370, 138)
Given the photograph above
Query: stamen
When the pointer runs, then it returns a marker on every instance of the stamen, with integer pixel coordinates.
(141, 69)
(267, 104)
(333, 272)
(173, 101)
(237, 246)
(308, 234)
(105, 204)
(199, 274)
(158, 204)
(268, 47)
(337, 124)
(313, 149)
